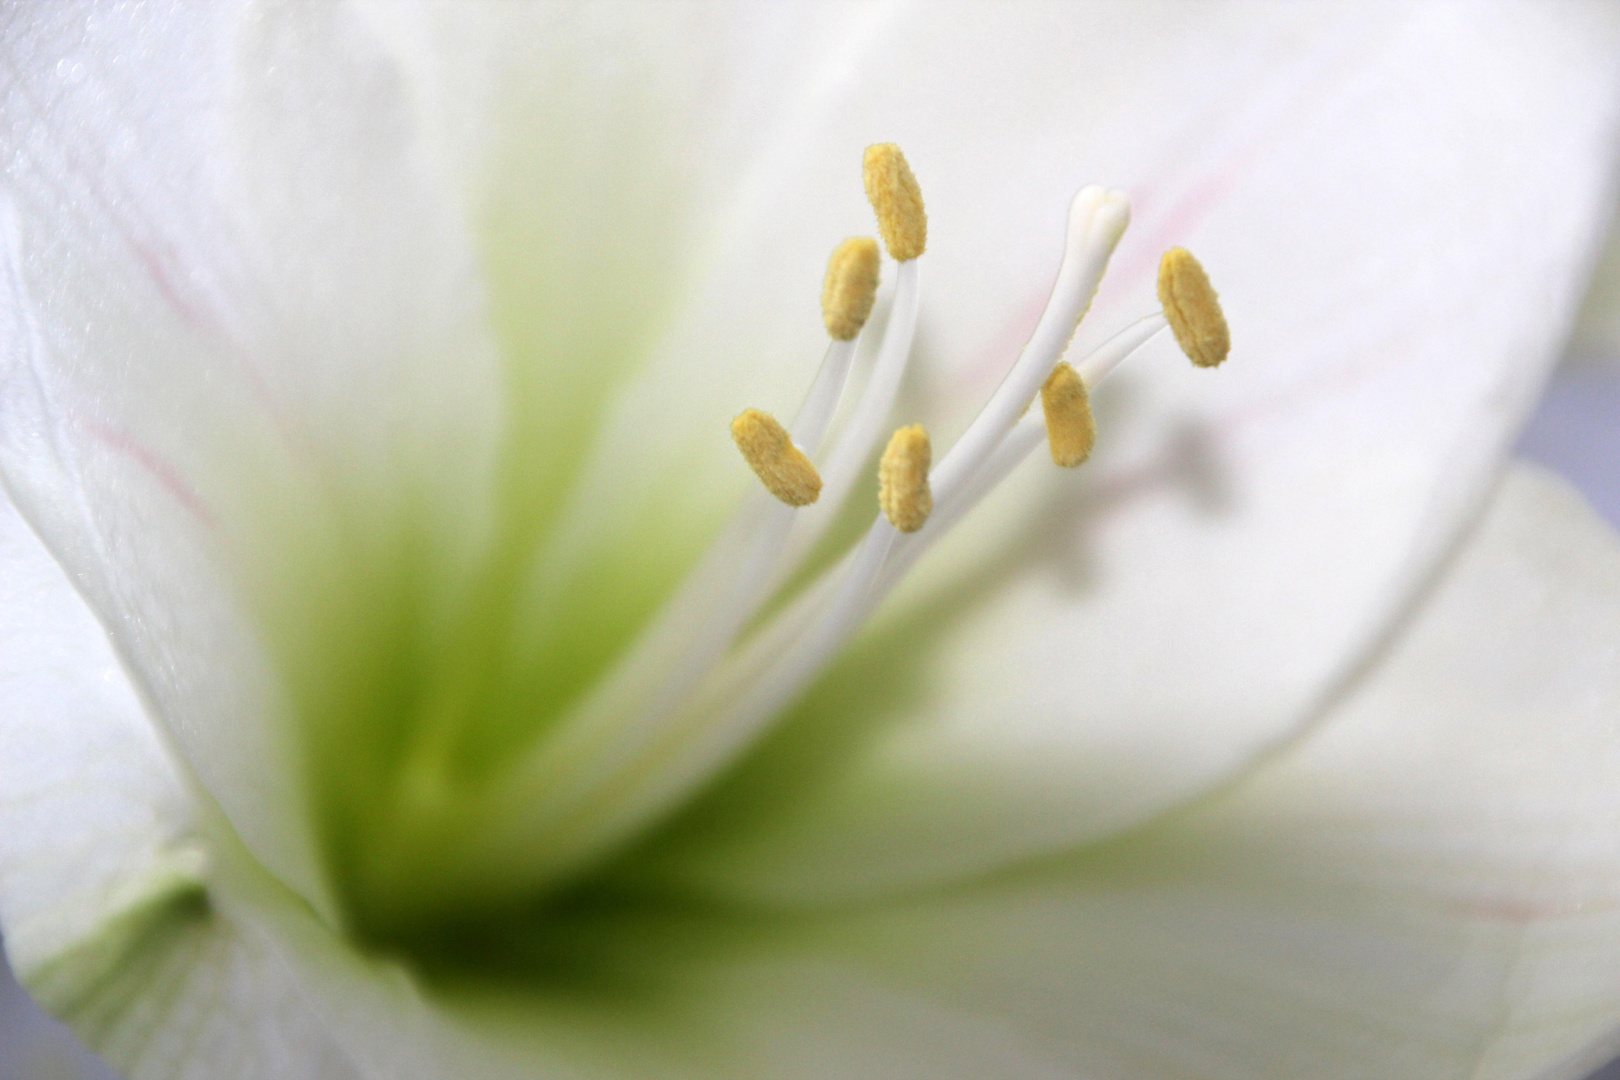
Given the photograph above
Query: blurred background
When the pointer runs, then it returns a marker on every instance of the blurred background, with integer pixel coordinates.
(1575, 432)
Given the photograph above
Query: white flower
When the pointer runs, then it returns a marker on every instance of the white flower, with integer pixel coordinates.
(365, 373)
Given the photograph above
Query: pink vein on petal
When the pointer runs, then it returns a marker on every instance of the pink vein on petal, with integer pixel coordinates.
(1337, 376)
(94, 185)
(200, 319)
(167, 476)
(1281, 110)
(1526, 912)
(158, 271)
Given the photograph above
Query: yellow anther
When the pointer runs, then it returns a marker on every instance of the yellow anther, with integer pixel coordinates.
(903, 479)
(1070, 430)
(780, 465)
(850, 288)
(897, 200)
(1192, 309)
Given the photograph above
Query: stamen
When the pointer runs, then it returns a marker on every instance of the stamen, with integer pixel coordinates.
(903, 479)
(1070, 429)
(1192, 308)
(850, 288)
(780, 465)
(815, 414)
(893, 192)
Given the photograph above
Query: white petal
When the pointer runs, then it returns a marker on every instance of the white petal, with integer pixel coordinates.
(1428, 885)
(108, 866)
(1399, 272)
(246, 373)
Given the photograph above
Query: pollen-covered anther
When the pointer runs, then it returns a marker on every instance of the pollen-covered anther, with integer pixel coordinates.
(850, 288)
(903, 491)
(1070, 430)
(780, 465)
(1192, 308)
(897, 200)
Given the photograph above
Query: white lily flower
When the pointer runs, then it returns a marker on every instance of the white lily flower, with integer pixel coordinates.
(364, 383)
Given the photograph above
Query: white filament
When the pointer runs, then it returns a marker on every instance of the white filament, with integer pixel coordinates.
(815, 415)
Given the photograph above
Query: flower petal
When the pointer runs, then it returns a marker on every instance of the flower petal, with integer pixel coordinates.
(248, 392)
(1094, 649)
(1424, 886)
(109, 863)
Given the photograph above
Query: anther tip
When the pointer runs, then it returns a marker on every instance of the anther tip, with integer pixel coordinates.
(903, 490)
(780, 465)
(1070, 429)
(896, 199)
(1192, 309)
(850, 288)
